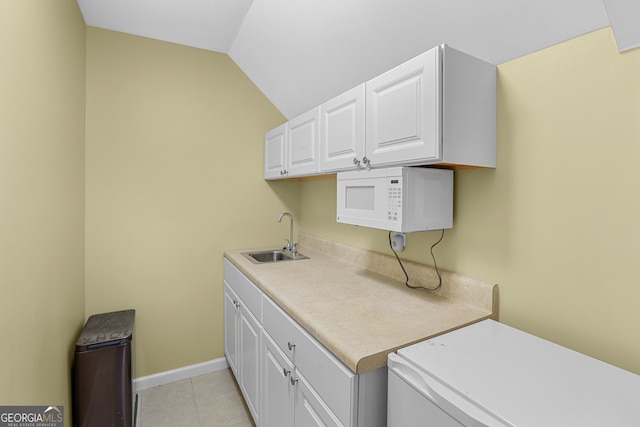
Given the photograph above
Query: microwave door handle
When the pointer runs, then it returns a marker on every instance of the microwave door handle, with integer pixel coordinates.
(457, 406)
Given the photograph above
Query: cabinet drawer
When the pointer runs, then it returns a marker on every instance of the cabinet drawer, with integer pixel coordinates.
(335, 383)
(332, 380)
(280, 326)
(249, 293)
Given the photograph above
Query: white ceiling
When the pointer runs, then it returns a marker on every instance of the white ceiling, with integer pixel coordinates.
(301, 53)
(205, 24)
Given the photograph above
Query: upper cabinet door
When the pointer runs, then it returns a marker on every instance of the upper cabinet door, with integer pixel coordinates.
(275, 166)
(303, 136)
(403, 114)
(342, 131)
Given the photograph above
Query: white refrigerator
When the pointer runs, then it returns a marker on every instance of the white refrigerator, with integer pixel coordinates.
(490, 374)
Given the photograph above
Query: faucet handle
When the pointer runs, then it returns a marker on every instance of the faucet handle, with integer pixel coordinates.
(294, 249)
(288, 247)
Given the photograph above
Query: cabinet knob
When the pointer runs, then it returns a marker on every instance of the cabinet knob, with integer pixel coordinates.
(235, 303)
(356, 161)
(293, 381)
(365, 160)
(291, 345)
(286, 371)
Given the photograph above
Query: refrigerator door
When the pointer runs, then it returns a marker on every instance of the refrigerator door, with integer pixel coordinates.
(417, 399)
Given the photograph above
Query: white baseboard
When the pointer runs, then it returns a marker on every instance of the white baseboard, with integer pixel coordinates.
(161, 378)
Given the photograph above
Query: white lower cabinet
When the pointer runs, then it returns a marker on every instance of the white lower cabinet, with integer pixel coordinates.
(249, 360)
(289, 399)
(231, 332)
(277, 392)
(309, 409)
(288, 378)
(242, 334)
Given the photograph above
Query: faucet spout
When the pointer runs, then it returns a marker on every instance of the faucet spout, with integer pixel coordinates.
(291, 247)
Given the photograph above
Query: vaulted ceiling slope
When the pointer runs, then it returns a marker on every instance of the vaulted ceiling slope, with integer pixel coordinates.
(301, 53)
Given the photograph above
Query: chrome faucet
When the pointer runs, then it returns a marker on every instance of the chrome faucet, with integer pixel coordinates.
(291, 247)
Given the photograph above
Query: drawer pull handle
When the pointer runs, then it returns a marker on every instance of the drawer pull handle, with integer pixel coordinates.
(286, 371)
(291, 346)
(294, 381)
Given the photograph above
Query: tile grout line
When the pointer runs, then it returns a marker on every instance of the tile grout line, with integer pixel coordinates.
(195, 401)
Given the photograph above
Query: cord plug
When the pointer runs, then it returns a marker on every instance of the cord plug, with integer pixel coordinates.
(398, 241)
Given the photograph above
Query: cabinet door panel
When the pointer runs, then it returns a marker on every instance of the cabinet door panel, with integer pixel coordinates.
(310, 410)
(342, 131)
(277, 393)
(231, 328)
(249, 361)
(403, 117)
(302, 141)
(274, 153)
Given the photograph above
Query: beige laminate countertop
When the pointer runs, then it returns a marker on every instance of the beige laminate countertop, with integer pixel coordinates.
(356, 313)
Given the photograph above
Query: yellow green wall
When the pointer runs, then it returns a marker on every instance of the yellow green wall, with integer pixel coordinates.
(42, 95)
(556, 225)
(174, 176)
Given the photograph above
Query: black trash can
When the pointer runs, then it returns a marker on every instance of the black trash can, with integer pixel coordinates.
(102, 372)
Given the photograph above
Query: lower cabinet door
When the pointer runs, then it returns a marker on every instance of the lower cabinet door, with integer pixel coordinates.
(310, 410)
(249, 360)
(277, 392)
(231, 316)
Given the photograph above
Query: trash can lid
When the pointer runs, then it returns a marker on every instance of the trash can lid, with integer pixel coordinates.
(107, 327)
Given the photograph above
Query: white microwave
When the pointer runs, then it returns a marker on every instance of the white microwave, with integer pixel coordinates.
(401, 199)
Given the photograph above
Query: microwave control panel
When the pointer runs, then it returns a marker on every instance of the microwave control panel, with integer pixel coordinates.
(394, 201)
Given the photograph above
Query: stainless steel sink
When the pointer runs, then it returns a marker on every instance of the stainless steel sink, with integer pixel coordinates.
(276, 255)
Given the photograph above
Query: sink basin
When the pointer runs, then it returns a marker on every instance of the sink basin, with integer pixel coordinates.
(275, 255)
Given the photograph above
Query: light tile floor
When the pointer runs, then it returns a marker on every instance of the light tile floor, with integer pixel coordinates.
(209, 400)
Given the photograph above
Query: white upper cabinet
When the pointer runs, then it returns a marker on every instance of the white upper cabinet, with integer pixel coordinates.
(468, 110)
(342, 131)
(275, 164)
(437, 108)
(403, 113)
(292, 149)
(303, 136)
